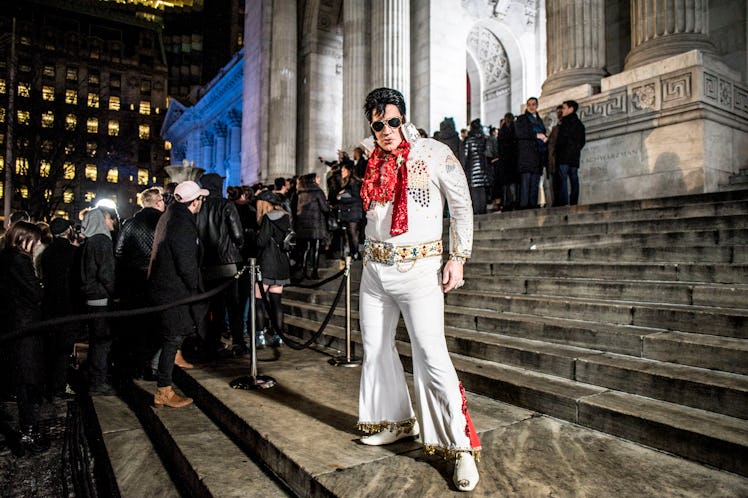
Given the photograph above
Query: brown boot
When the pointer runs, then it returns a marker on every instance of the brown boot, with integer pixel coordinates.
(181, 362)
(167, 396)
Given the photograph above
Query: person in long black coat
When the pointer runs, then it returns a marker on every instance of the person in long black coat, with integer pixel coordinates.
(508, 174)
(532, 153)
(310, 221)
(274, 262)
(173, 275)
(351, 208)
(21, 294)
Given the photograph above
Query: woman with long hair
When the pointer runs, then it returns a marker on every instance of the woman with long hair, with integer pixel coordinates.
(351, 208)
(274, 262)
(310, 221)
(21, 295)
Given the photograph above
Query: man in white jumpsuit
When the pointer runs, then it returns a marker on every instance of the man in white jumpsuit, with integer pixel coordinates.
(407, 180)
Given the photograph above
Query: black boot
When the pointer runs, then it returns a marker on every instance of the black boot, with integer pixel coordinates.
(276, 309)
(260, 323)
(32, 441)
(315, 259)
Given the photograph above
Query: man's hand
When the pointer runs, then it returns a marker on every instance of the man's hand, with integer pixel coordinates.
(452, 276)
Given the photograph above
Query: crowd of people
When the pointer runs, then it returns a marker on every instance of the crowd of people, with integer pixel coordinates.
(507, 166)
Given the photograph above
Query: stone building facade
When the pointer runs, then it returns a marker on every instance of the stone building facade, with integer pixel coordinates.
(661, 84)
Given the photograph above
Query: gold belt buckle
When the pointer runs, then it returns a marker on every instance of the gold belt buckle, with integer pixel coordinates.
(380, 252)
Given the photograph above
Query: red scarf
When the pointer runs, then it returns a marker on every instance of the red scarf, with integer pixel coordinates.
(386, 179)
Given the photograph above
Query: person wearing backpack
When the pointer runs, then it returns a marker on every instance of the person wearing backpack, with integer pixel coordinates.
(273, 246)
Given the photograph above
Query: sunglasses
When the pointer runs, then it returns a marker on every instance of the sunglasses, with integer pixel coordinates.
(393, 123)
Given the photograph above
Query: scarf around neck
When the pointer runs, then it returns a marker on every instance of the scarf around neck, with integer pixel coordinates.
(386, 180)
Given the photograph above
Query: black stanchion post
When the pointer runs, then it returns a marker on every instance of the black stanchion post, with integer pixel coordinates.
(348, 360)
(253, 381)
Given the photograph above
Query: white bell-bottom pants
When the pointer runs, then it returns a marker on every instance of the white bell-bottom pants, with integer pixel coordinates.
(384, 401)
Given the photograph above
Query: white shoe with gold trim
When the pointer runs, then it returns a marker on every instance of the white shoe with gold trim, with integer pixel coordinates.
(466, 472)
(389, 436)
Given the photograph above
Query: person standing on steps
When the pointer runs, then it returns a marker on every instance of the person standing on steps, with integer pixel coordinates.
(174, 274)
(406, 180)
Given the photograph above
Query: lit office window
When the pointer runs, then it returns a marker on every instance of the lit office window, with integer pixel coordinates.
(2, 163)
(142, 176)
(145, 107)
(68, 171)
(89, 196)
(93, 79)
(70, 122)
(23, 117)
(93, 100)
(91, 148)
(113, 128)
(92, 125)
(2, 114)
(91, 172)
(22, 166)
(167, 145)
(114, 103)
(68, 197)
(71, 74)
(48, 119)
(24, 192)
(48, 71)
(47, 194)
(48, 93)
(69, 148)
(144, 132)
(44, 168)
(24, 90)
(112, 175)
(71, 97)
(2, 86)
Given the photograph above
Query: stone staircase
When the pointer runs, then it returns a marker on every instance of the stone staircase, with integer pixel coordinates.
(630, 318)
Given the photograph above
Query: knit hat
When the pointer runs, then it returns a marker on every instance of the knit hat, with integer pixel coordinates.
(59, 225)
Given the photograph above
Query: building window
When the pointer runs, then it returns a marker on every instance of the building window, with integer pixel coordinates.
(89, 196)
(113, 128)
(167, 145)
(92, 125)
(48, 93)
(112, 175)
(142, 176)
(71, 74)
(22, 166)
(69, 148)
(24, 90)
(144, 132)
(145, 86)
(68, 171)
(114, 103)
(48, 119)
(93, 100)
(115, 80)
(44, 168)
(70, 122)
(24, 192)
(71, 97)
(2, 114)
(23, 117)
(2, 163)
(91, 148)
(48, 72)
(47, 194)
(145, 107)
(91, 172)
(93, 78)
(2, 86)
(68, 197)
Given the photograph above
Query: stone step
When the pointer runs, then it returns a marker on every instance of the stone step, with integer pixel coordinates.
(707, 351)
(304, 430)
(694, 254)
(201, 459)
(727, 322)
(719, 392)
(728, 295)
(707, 437)
(673, 272)
(137, 466)
(705, 238)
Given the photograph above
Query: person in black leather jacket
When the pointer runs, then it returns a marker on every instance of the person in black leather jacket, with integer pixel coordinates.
(476, 167)
(137, 337)
(222, 235)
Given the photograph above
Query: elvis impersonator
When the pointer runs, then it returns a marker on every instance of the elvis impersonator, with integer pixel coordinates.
(403, 192)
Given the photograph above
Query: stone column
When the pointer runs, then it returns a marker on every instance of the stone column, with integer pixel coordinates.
(390, 45)
(661, 28)
(219, 148)
(205, 160)
(234, 118)
(356, 56)
(283, 91)
(575, 32)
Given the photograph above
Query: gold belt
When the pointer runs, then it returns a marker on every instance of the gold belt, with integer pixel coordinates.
(390, 254)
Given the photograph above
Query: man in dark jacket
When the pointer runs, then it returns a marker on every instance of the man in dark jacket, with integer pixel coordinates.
(173, 275)
(60, 274)
(97, 283)
(532, 153)
(133, 254)
(571, 139)
(222, 235)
